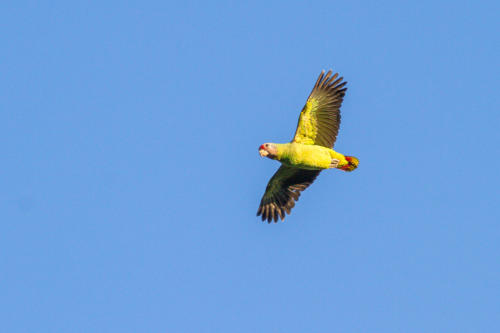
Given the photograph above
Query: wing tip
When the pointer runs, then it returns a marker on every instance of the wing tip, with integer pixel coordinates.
(329, 81)
(271, 213)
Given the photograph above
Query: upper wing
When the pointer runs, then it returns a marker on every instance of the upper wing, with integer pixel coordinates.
(320, 118)
(283, 190)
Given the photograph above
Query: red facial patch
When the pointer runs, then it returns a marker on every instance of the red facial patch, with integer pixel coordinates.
(262, 147)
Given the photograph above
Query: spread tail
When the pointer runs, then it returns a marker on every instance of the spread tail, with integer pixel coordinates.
(351, 165)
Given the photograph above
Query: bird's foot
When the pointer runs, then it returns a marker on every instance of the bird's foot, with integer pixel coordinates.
(334, 163)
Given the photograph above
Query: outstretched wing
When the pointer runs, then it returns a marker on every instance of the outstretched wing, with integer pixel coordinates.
(283, 190)
(320, 118)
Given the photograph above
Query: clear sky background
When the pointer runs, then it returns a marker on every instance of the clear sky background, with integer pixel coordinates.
(130, 176)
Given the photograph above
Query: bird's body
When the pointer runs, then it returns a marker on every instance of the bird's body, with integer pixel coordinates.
(309, 157)
(310, 150)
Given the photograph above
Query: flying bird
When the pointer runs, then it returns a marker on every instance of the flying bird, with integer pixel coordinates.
(310, 151)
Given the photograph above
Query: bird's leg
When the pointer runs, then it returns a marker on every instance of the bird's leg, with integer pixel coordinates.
(334, 163)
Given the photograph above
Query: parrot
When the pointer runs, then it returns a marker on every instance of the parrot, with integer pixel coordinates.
(309, 152)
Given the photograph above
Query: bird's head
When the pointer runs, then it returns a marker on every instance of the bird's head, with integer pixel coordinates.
(268, 150)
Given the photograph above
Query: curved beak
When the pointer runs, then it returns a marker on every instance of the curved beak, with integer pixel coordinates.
(263, 152)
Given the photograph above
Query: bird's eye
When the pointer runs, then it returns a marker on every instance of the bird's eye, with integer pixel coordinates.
(267, 145)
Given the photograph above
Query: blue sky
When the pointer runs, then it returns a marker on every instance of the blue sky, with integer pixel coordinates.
(131, 178)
